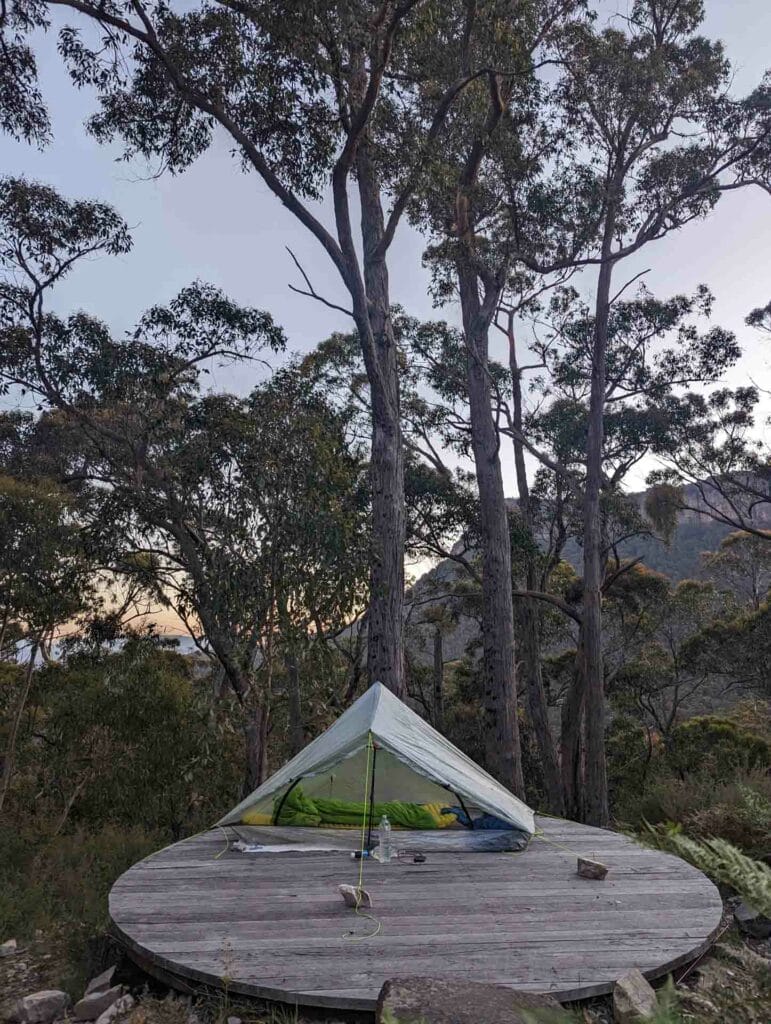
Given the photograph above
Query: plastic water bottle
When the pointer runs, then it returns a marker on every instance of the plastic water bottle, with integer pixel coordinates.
(384, 849)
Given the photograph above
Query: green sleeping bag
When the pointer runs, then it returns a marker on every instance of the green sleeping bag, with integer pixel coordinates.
(301, 810)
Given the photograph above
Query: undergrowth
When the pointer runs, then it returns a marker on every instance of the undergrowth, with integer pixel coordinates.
(720, 860)
(60, 886)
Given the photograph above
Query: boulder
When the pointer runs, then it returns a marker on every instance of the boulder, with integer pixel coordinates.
(93, 1004)
(8, 948)
(40, 1007)
(633, 999)
(122, 1005)
(752, 922)
(101, 981)
(453, 1001)
(234, 1020)
(591, 869)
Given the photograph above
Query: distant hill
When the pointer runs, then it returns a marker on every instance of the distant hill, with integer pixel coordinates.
(679, 559)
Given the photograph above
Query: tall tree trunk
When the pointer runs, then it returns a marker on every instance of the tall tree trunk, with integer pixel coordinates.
(10, 750)
(571, 741)
(438, 679)
(529, 641)
(296, 732)
(385, 624)
(256, 737)
(503, 753)
(596, 782)
(529, 657)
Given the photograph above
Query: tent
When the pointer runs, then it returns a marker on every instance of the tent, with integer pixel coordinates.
(380, 752)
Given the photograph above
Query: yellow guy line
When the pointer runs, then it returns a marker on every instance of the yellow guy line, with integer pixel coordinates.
(362, 913)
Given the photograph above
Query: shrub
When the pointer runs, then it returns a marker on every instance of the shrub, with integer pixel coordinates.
(717, 746)
(705, 808)
(60, 884)
(129, 739)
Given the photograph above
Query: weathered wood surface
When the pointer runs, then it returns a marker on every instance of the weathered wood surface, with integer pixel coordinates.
(275, 926)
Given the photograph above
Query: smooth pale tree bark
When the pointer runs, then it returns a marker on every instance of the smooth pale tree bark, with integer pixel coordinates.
(372, 312)
(528, 638)
(596, 780)
(502, 742)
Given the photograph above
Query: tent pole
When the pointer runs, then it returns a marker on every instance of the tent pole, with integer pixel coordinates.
(371, 793)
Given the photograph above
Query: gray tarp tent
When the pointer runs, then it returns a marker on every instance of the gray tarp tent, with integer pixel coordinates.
(413, 762)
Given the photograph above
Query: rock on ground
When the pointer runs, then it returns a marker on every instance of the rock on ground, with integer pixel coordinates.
(633, 999)
(8, 948)
(94, 1004)
(101, 982)
(122, 1005)
(752, 922)
(40, 1007)
(442, 1001)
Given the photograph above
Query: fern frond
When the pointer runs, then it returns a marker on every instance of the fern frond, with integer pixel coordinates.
(722, 862)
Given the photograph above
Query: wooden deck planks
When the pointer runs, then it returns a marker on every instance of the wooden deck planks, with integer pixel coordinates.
(275, 925)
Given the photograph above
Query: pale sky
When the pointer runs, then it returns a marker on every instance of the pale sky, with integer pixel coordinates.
(223, 226)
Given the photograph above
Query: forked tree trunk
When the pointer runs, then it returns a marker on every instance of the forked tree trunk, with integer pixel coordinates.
(502, 746)
(531, 677)
(256, 737)
(528, 639)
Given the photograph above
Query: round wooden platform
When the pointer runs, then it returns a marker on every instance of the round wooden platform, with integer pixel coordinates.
(273, 925)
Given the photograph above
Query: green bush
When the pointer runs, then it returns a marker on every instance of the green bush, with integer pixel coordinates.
(712, 779)
(129, 739)
(717, 746)
(737, 812)
(118, 755)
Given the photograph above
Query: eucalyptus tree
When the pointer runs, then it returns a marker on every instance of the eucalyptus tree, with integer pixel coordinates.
(720, 465)
(741, 568)
(655, 347)
(271, 558)
(175, 476)
(246, 518)
(497, 140)
(657, 140)
(299, 89)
